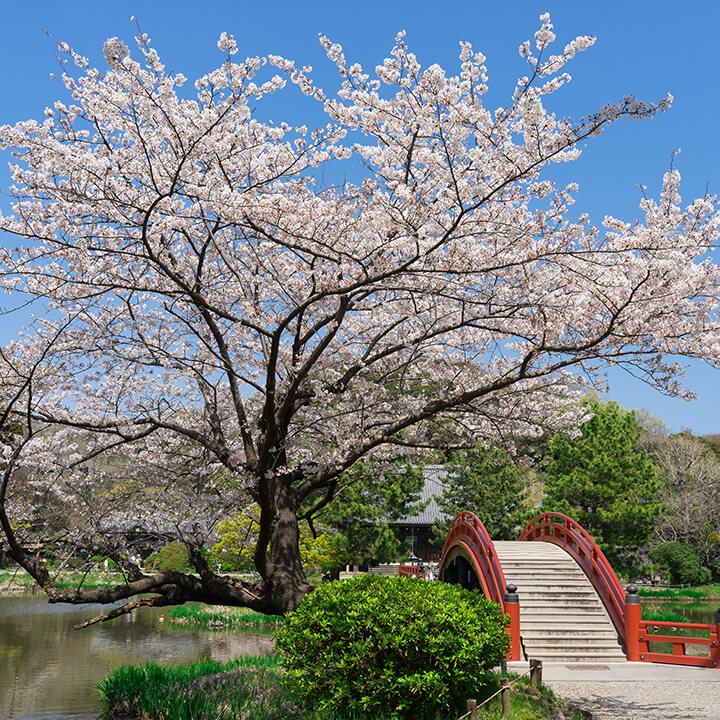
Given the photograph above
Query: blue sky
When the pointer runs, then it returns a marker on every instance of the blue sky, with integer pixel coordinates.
(644, 47)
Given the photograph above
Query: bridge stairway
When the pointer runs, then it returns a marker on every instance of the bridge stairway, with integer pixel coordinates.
(562, 619)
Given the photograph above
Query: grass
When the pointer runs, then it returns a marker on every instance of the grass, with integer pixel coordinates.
(221, 617)
(18, 581)
(663, 614)
(250, 688)
(671, 593)
(246, 688)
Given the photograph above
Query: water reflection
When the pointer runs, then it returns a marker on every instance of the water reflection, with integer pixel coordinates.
(49, 671)
(695, 611)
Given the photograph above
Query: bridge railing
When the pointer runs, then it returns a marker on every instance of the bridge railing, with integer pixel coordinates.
(573, 538)
(468, 531)
(640, 633)
(468, 535)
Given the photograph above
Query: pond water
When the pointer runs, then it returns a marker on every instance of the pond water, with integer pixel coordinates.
(48, 671)
(696, 611)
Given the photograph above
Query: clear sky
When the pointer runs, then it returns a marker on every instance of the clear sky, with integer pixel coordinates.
(645, 47)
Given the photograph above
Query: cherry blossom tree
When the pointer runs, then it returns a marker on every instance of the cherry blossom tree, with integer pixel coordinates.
(215, 320)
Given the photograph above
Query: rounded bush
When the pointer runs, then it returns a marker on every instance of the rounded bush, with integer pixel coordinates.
(174, 556)
(393, 647)
(682, 561)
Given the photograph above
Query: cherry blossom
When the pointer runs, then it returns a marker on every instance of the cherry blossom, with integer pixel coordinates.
(215, 321)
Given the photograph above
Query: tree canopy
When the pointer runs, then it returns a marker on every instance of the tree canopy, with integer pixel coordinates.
(221, 320)
(488, 482)
(605, 482)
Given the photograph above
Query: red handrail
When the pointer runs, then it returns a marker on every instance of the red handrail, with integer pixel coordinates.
(679, 655)
(573, 538)
(468, 532)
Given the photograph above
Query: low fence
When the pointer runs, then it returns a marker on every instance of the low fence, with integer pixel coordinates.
(535, 673)
(639, 634)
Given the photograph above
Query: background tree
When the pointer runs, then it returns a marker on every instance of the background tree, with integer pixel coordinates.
(689, 473)
(201, 289)
(681, 562)
(605, 482)
(237, 538)
(488, 482)
(370, 497)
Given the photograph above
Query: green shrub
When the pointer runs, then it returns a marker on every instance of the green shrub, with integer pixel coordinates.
(682, 562)
(174, 556)
(392, 647)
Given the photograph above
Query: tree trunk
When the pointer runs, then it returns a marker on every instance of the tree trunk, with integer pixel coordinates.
(285, 581)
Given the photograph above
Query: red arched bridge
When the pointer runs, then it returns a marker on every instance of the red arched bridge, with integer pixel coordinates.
(564, 600)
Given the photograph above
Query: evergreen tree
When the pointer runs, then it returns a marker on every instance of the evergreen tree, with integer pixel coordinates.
(370, 497)
(602, 480)
(487, 482)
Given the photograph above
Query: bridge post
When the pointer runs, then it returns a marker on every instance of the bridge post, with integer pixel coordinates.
(715, 652)
(512, 608)
(633, 616)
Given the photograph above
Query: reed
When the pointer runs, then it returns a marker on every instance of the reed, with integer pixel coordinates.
(665, 615)
(246, 688)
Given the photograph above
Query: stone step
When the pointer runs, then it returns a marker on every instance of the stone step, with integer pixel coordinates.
(568, 591)
(551, 575)
(558, 603)
(565, 642)
(603, 648)
(561, 616)
(548, 566)
(523, 581)
(594, 630)
(556, 621)
(558, 581)
(538, 619)
(589, 659)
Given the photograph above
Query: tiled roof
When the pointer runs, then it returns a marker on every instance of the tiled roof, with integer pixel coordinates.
(434, 486)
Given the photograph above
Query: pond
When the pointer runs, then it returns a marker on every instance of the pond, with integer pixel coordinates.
(48, 671)
(696, 611)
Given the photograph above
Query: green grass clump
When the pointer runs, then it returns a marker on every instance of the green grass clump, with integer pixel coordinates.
(221, 617)
(246, 688)
(671, 593)
(663, 615)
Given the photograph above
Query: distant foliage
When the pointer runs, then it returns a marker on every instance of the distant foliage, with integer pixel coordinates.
(488, 482)
(689, 471)
(682, 562)
(174, 556)
(392, 647)
(370, 497)
(238, 535)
